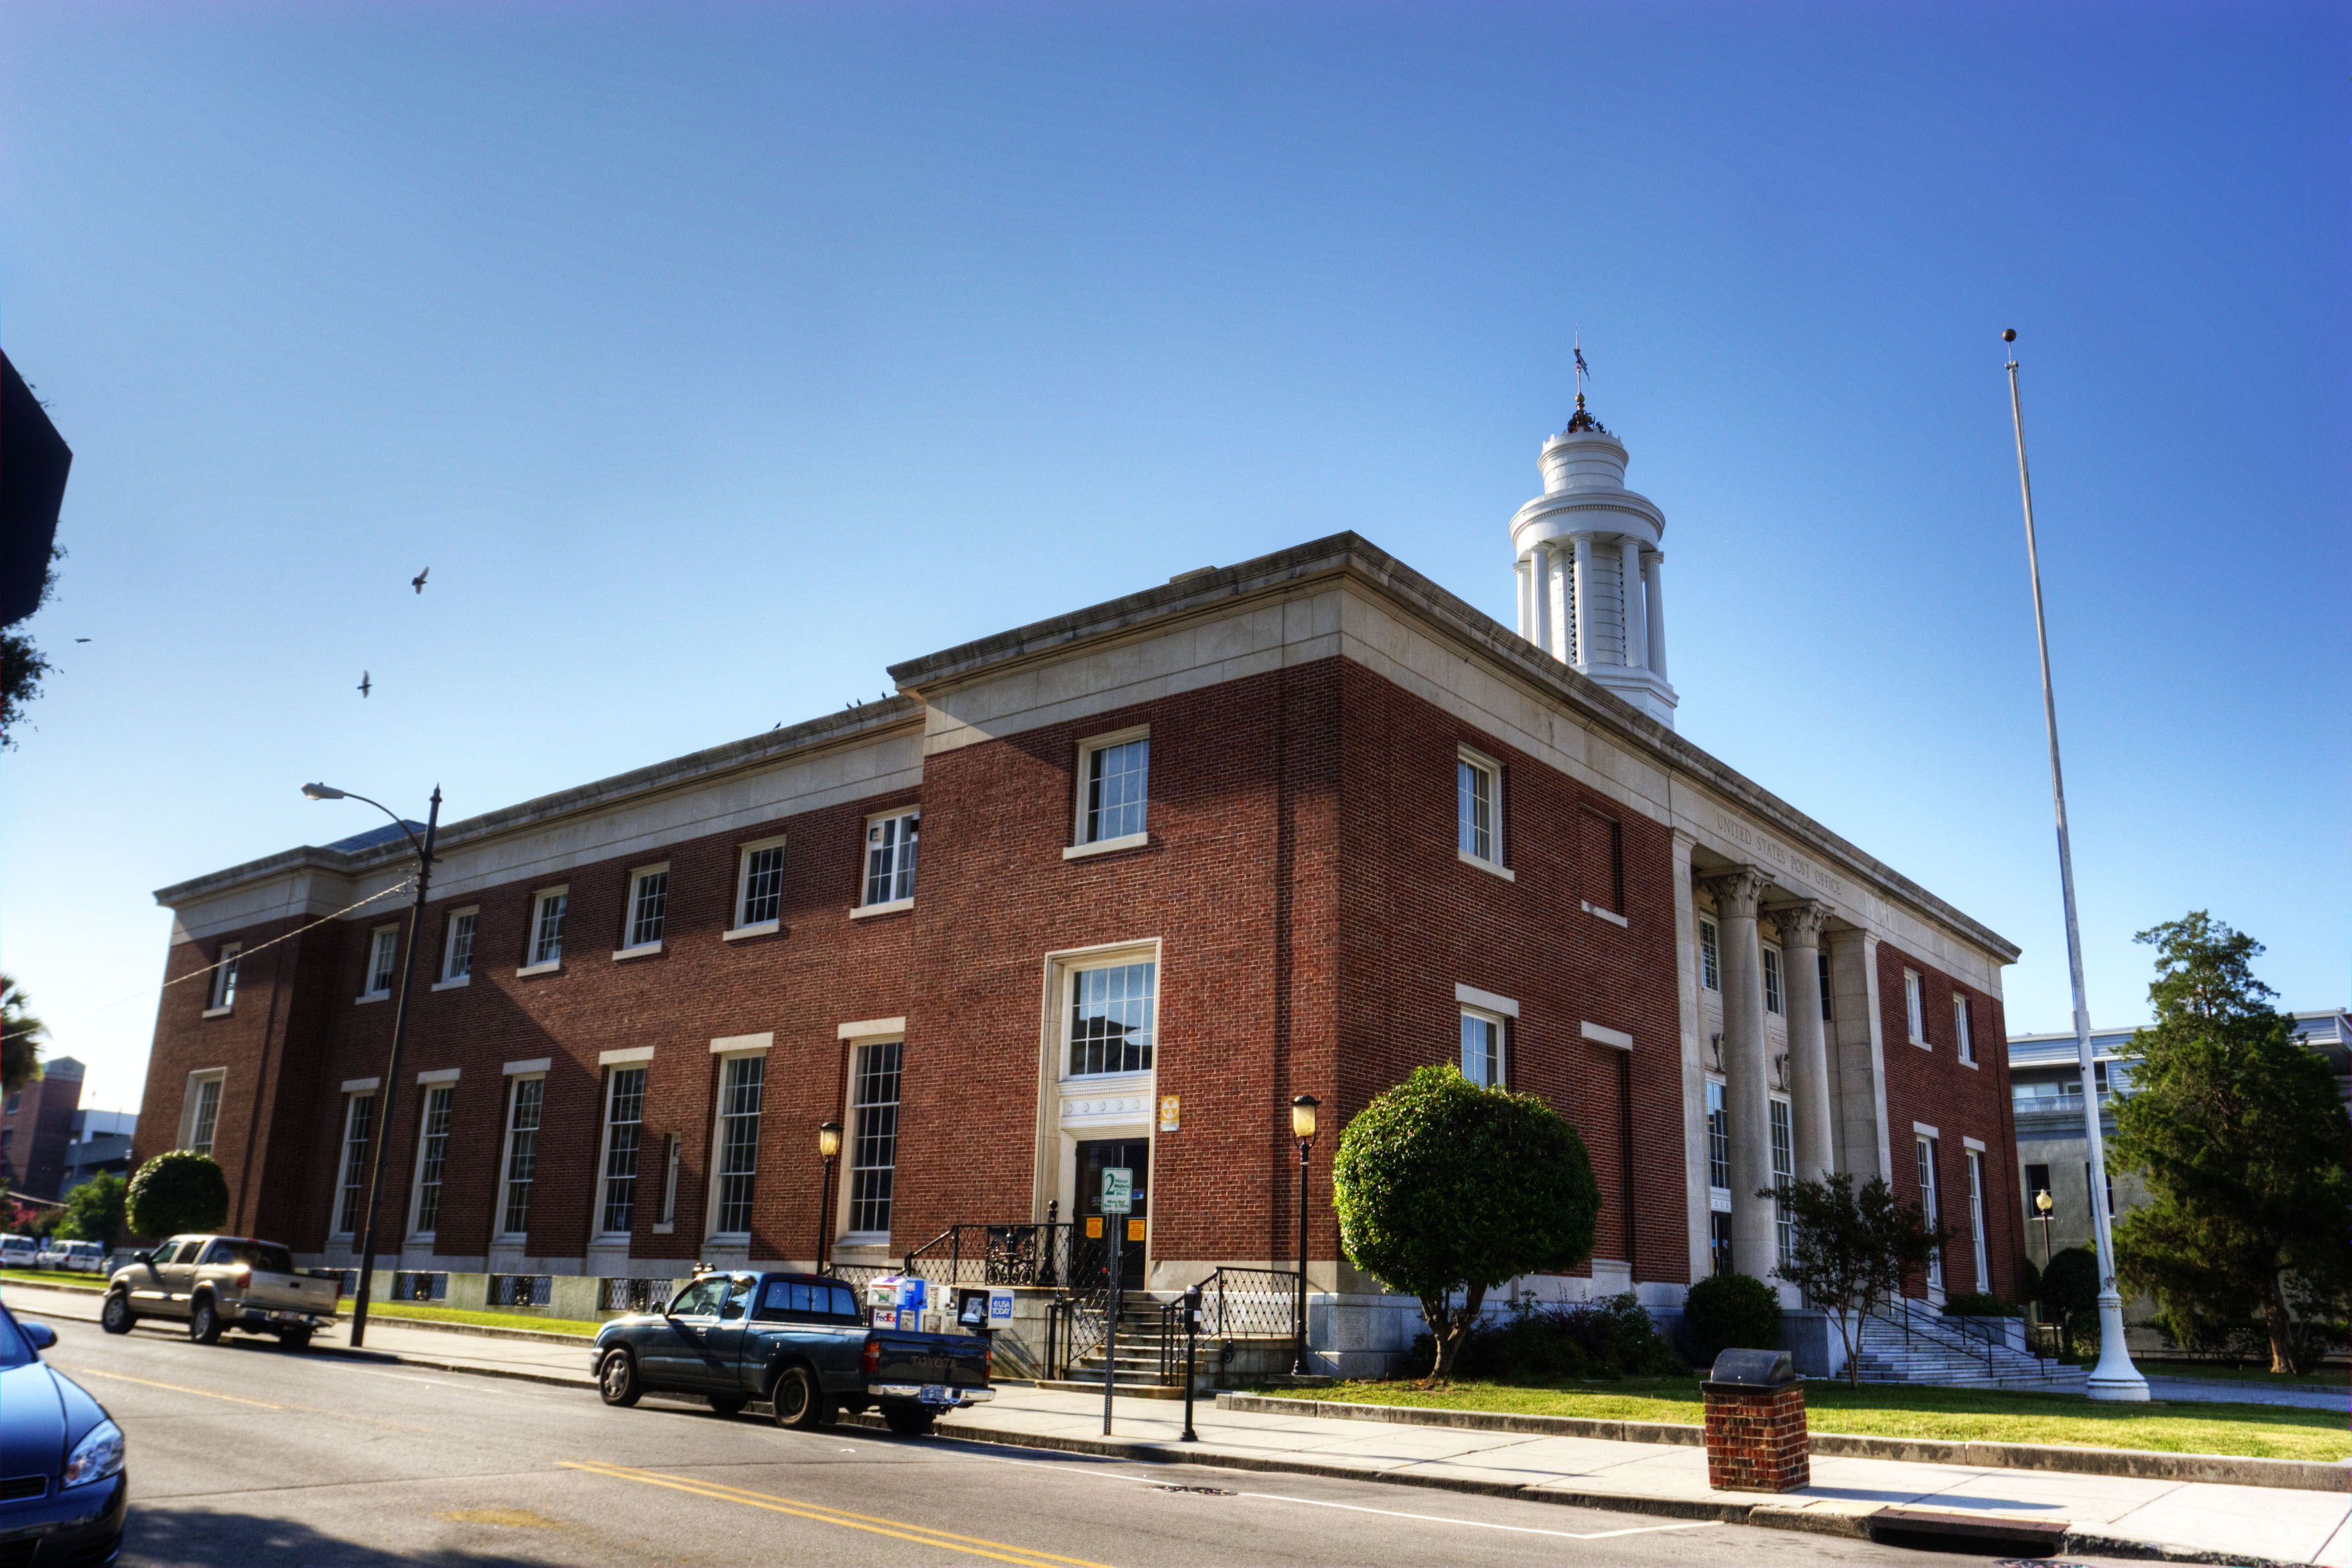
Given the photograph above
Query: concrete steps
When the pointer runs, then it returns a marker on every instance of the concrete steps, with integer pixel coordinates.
(1933, 1354)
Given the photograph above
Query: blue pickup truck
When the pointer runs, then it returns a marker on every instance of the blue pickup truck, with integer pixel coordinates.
(797, 1341)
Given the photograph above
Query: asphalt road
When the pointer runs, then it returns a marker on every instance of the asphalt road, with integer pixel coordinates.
(243, 1454)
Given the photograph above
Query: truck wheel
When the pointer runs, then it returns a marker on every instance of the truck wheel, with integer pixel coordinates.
(727, 1403)
(294, 1338)
(204, 1322)
(616, 1380)
(798, 1402)
(116, 1317)
(908, 1419)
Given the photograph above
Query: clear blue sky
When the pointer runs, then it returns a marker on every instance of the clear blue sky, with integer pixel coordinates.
(714, 357)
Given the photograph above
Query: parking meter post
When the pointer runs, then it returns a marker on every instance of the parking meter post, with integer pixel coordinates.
(1191, 1346)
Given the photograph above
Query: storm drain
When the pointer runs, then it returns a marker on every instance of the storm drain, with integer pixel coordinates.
(1933, 1529)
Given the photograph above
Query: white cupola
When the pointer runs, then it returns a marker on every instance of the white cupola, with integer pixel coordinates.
(1591, 588)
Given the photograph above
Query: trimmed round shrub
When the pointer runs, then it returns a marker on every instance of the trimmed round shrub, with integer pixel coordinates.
(175, 1193)
(1974, 1304)
(1728, 1312)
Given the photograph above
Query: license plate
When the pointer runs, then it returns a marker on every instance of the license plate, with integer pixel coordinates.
(937, 1393)
(287, 1317)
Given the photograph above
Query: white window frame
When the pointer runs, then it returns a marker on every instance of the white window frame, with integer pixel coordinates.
(1776, 979)
(539, 958)
(854, 1145)
(718, 1118)
(465, 922)
(1081, 843)
(736, 927)
(1715, 1116)
(352, 1151)
(604, 1176)
(1710, 954)
(907, 823)
(191, 1109)
(504, 1196)
(222, 999)
(1931, 1205)
(1065, 1030)
(1781, 1122)
(634, 944)
(1498, 1062)
(1961, 1026)
(430, 1087)
(1915, 1006)
(1977, 1220)
(1477, 765)
(382, 957)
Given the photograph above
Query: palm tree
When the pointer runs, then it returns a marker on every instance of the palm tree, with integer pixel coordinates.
(20, 1037)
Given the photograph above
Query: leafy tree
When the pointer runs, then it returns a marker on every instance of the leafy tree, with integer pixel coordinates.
(20, 1038)
(176, 1192)
(22, 665)
(2069, 1294)
(2240, 1136)
(1442, 1187)
(94, 1210)
(1730, 1312)
(1850, 1250)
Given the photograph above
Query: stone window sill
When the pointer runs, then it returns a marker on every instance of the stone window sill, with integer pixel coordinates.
(1468, 858)
(225, 1012)
(1609, 915)
(462, 981)
(366, 996)
(551, 966)
(1107, 846)
(765, 928)
(642, 949)
(890, 907)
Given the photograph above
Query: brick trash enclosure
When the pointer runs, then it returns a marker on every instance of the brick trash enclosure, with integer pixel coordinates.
(1756, 1440)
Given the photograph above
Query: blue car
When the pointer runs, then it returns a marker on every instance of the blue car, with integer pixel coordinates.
(63, 1489)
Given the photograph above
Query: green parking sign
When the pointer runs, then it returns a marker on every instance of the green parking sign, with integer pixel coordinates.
(1118, 1190)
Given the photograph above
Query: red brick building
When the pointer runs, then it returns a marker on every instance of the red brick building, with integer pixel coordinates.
(37, 1128)
(1290, 826)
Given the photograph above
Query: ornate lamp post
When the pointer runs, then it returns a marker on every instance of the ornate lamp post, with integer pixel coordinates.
(384, 1122)
(2041, 1210)
(1302, 1127)
(828, 1146)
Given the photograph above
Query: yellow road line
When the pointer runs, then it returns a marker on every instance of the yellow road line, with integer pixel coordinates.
(175, 1387)
(921, 1534)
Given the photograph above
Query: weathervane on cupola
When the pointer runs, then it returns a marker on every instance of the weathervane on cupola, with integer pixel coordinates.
(1592, 592)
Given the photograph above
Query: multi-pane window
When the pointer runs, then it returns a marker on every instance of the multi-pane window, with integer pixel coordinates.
(1718, 1239)
(432, 1157)
(205, 1116)
(1718, 1138)
(648, 908)
(1773, 1000)
(1915, 1009)
(1710, 956)
(1118, 780)
(763, 885)
(225, 976)
(547, 928)
(1960, 1030)
(1474, 795)
(739, 1142)
(873, 1146)
(1111, 1019)
(625, 1115)
(890, 857)
(384, 953)
(1784, 1175)
(1482, 1047)
(350, 1188)
(1821, 970)
(527, 1099)
(1930, 1208)
(458, 951)
(1977, 1220)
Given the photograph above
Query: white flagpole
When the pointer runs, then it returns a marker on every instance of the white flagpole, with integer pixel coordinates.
(2114, 1378)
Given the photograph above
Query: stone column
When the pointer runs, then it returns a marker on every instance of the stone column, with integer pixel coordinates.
(1527, 574)
(1808, 1050)
(1654, 565)
(1555, 598)
(1747, 1071)
(1637, 624)
(1539, 597)
(1582, 656)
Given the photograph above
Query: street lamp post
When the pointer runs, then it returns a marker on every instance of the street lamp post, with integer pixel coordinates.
(399, 1033)
(828, 1146)
(1302, 1127)
(2114, 1378)
(2043, 1206)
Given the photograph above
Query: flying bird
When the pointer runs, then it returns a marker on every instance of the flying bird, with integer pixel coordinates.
(364, 683)
(417, 582)
(81, 640)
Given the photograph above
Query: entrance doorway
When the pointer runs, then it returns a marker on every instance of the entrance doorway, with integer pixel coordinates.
(1121, 1239)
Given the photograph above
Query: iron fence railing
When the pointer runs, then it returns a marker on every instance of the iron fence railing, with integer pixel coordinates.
(616, 1293)
(1250, 1303)
(519, 1289)
(1922, 1322)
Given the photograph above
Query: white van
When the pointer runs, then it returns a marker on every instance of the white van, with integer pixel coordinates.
(18, 1251)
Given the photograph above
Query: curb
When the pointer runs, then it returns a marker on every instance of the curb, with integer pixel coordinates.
(2142, 1464)
(487, 1331)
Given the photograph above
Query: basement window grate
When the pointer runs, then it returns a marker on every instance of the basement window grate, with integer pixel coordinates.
(519, 1289)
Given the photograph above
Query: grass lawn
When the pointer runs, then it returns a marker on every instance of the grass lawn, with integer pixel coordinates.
(2328, 1377)
(51, 1277)
(2250, 1431)
(411, 1313)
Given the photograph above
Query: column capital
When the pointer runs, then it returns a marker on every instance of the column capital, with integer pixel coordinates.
(1801, 923)
(1737, 892)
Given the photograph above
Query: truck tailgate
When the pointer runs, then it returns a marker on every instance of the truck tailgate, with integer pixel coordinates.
(958, 1361)
(292, 1292)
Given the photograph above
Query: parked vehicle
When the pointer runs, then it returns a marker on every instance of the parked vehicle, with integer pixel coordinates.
(18, 1251)
(67, 1489)
(77, 1257)
(797, 1341)
(217, 1283)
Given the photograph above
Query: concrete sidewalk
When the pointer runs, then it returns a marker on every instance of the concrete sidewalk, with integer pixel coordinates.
(2105, 1515)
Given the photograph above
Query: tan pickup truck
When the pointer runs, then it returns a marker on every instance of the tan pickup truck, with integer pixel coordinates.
(219, 1282)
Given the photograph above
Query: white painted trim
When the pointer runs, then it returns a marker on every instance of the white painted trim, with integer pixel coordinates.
(1105, 846)
(551, 966)
(625, 1055)
(1477, 758)
(438, 1075)
(742, 1045)
(525, 1069)
(1113, 738)
(371, 996)
(743, 853)
(1612, 916)
(1972, 1143)
(765, 928)
(889, 907)
(219, 1012)
(1600, 1033)
(871, 1030)
(646, 950)
(1468, 858)
(361, 1085)
(1471, 995)
(457, 985)
(1924, 1130)
(1087, 746)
